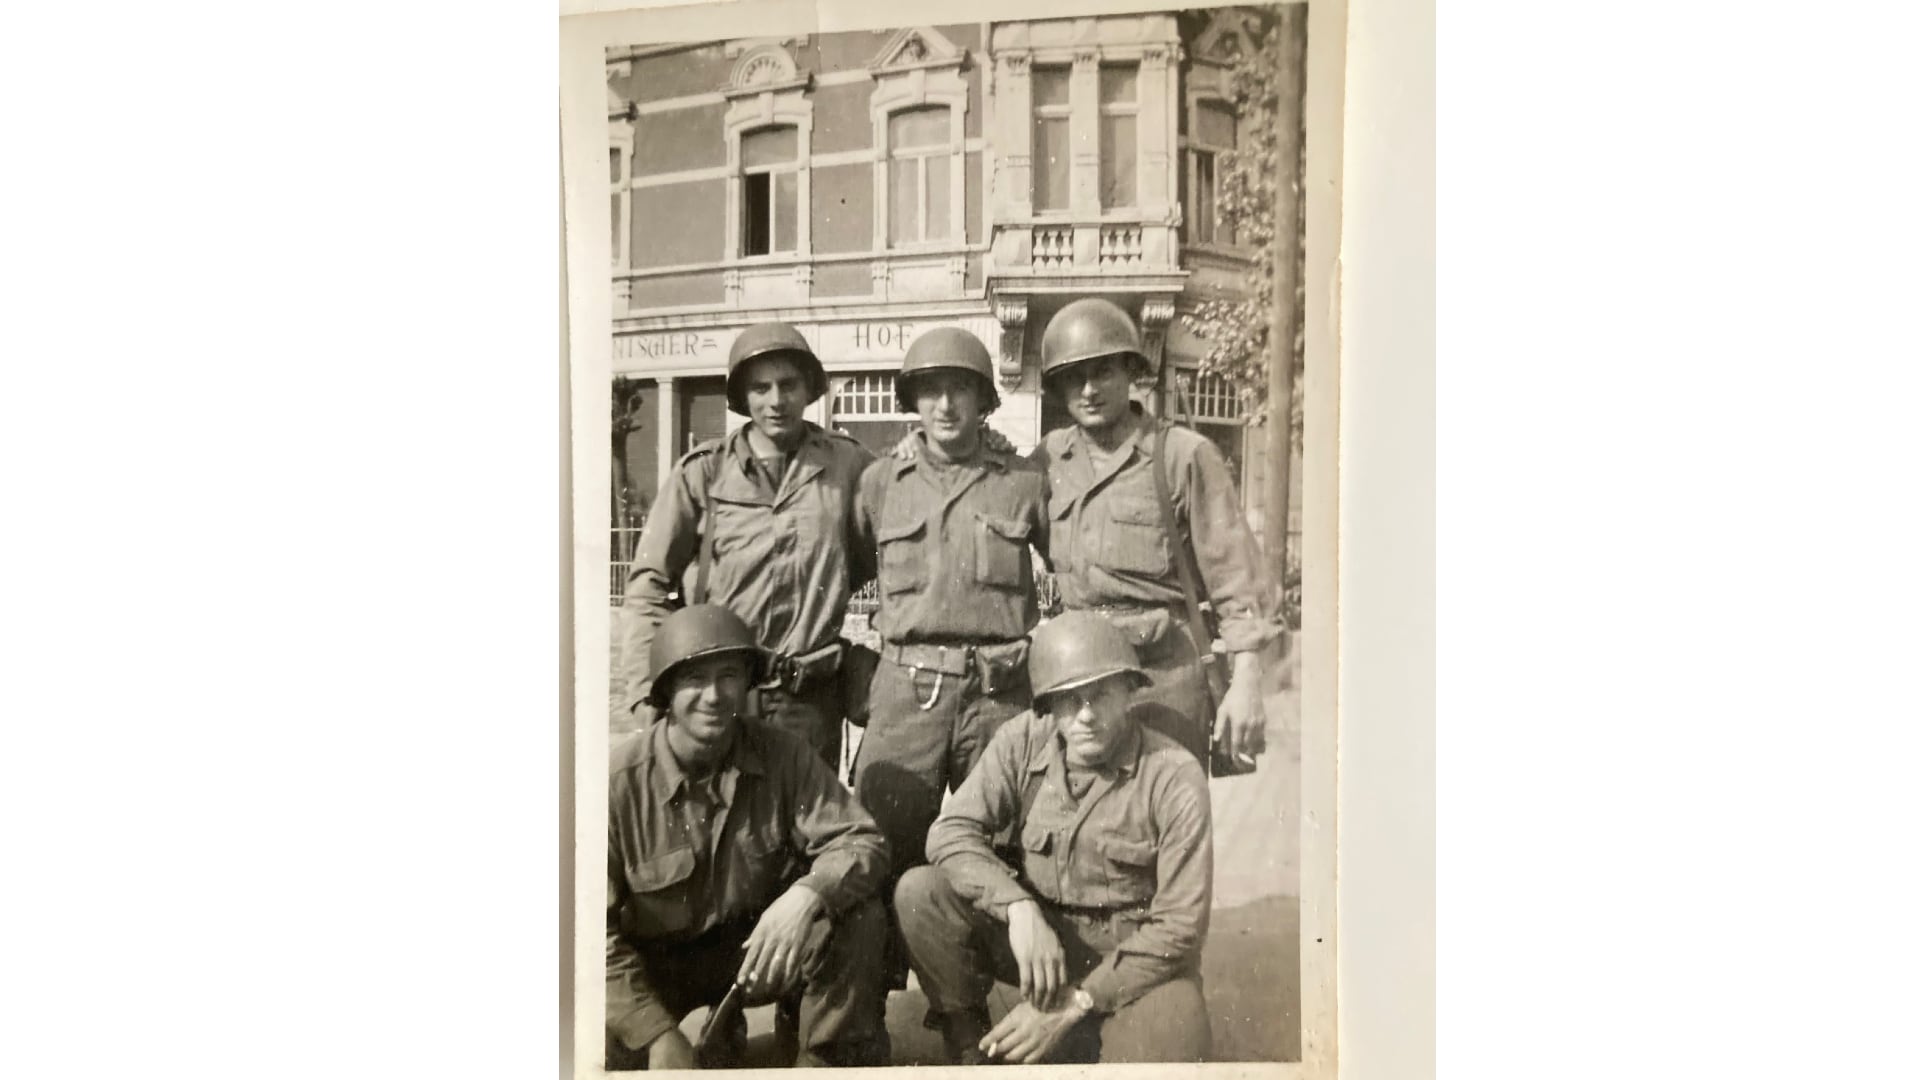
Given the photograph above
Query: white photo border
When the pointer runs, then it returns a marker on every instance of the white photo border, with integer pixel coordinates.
(587, 28)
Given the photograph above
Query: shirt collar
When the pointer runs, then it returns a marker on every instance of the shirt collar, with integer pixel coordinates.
(1125, 761)
(812, 444)
(988, 456)
(1141, 437)
(672, 777)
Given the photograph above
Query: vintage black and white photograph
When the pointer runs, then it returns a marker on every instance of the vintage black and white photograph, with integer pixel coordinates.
(956, 529)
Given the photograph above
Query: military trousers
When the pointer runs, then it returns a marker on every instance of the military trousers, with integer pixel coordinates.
(1179, 685)
(958, 951)
(840, 1000)
(925, 731)
(814, 714)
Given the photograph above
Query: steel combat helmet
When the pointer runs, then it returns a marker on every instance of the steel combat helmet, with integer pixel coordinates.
(1088, 329)
(694, 632)
(771, 339)
(946, 348)
(1078, 648)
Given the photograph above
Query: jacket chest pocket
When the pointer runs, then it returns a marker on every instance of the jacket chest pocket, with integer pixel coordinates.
(1130, 866)
(903, 562)
(660, 899)
(760, 868)
(1000, 552)
(1060, 513)
(740, 526)
(1132, 538)
(1037, 858)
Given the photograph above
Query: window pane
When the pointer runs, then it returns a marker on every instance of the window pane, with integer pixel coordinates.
(1203, 197)
(939, 172)
(1215, 125)
(613, 214)
(769, 146)
(918, 127)
(1049, 86)
(755, 228)
(786, 211)
(1119, 84)
(1118, 169)
(903, 203)
(1051, 160)
(613, 164)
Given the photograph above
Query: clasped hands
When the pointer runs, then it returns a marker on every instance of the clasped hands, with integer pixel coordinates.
(1031, 1029)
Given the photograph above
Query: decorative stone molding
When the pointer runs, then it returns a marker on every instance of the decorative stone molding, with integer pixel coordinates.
(1086, 58)
(1019, 64)
(882, 271)
(1156, 315)
(764, 68)
(740, 45)
(957, 271)
(916, 48)
(803, 274)
(1011, 313)
(730, 281)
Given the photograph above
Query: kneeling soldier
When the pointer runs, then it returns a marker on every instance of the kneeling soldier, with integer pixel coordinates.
(952, 525)
(1100, 909)
(734, 856)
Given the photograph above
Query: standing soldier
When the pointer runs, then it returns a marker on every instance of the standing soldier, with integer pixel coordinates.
(951, 525)
(760, 522)
(1135, 503)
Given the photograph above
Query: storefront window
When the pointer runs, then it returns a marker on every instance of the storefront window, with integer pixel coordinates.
(863, 406)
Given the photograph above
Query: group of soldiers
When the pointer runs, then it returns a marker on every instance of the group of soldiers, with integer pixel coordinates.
(1073, 857)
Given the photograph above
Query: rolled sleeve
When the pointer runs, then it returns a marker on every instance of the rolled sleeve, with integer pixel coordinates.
(987, 804)
(1169, 941)
(1232, 566)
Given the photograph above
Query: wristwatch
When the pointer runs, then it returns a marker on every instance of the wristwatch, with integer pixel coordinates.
(1082, 1000)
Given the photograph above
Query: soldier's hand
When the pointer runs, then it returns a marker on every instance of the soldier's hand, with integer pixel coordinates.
(1242, 726)
(1036, 949)
(671, 1051)
(773, 951)
(773, 699)
(644, 714)
(1027, 1034)
(995, 441)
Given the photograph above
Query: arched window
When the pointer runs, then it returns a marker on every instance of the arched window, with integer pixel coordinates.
(770, 190)
(920, 168)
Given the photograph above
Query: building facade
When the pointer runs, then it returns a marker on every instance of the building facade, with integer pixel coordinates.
(868, 186)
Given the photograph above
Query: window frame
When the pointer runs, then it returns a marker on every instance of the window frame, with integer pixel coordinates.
(1104, 110)
(1063, 112)
(1192, 146)
(772, 172)
(765, 90)
(922, 157)
(934, 83)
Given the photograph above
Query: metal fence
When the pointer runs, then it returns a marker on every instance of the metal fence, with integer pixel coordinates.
(624, 542)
